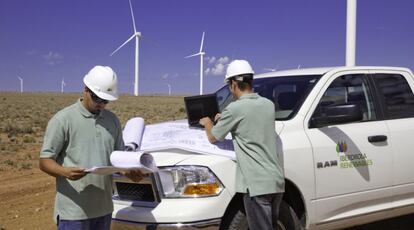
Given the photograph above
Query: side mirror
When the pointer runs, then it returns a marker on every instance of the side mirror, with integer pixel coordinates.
(337, 114)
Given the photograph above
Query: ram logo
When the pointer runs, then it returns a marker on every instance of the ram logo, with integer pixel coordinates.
(327, 164)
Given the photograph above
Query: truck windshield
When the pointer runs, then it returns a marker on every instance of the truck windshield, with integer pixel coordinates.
(287, 93)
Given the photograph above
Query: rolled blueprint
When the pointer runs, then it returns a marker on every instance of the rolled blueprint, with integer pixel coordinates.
(141, 160)
(133, 132)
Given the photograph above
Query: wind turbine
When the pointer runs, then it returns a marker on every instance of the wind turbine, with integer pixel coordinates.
(201, 53)
(169, 89)
(137, 36)
(21, 84)
(62, 84)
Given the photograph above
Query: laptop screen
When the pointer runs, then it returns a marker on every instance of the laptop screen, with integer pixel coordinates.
(200, 106)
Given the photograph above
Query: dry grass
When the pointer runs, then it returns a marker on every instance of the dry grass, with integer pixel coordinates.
(24, 118)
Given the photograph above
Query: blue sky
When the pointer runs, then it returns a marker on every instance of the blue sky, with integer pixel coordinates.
(44, 41)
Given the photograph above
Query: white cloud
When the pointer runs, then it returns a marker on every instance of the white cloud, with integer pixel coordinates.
(52, 58)
(224, 60)
(165, 76)
(207, 71)
(210, 60)
(219, 69)
(216, 66)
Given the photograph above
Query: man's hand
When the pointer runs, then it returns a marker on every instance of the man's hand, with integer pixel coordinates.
(74, 173)
(135, 175)
(208, 125)
(49, 166)
(205, 121)
(217, 117)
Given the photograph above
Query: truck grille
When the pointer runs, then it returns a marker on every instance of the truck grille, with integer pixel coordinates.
(144, 193)
(135, 192)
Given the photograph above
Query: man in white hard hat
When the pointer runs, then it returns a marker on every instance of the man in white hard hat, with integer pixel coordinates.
(251, 121)
(78, 137)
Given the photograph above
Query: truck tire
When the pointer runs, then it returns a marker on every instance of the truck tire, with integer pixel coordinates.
(288, 220)
(237, 222)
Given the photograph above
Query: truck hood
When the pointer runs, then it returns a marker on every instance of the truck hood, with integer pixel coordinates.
(174, 141)
(176, 137)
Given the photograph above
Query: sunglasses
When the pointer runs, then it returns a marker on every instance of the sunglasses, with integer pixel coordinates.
(97, 99)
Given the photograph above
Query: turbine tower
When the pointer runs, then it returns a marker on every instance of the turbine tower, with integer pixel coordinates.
(62, 85)
(169, 89)
(21, 84)
(201, 53)
(351, 11)
(137, 36)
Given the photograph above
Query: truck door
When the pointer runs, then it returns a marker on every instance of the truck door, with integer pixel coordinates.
(353, 165)
(397, 99)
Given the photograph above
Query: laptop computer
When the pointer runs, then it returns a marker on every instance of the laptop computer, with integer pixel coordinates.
(200, 106)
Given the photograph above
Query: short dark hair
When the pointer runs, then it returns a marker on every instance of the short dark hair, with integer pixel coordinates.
(243, 81)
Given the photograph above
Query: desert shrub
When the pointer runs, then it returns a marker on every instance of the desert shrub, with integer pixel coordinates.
(26, 129)
(13, 148)
(12, 137)
(10, 163)
(29, 139)
(13, 129)
(26, 166)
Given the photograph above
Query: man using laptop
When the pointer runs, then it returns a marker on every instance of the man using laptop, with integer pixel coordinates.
(251, 121)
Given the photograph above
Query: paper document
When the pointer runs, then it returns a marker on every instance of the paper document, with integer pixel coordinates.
(133, 132)
(123, 161)
(179, 135)
(107, 170)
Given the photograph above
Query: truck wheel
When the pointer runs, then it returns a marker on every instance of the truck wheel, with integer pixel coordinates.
(237, 222)
(288, 219)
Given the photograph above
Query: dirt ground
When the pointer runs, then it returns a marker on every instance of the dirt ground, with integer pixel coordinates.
(27, 194)
(27, 198)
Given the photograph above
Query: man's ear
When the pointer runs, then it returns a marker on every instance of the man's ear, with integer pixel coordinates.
(233, 85)
(85, 92)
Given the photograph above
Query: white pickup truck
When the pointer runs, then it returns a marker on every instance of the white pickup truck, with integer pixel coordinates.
(346, 138)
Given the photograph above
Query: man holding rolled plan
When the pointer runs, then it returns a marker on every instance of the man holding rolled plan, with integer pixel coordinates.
(78, 137)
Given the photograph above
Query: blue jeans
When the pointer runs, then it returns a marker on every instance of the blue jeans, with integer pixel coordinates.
(98, 223)
(262, 211)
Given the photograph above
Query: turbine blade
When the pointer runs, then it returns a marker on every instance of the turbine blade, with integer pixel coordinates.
(129, 39)
(132, 15)
(193, 55)
(202, 41)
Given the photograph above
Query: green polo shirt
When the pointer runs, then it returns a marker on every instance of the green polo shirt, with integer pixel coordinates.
(77, 138)
(251, 121)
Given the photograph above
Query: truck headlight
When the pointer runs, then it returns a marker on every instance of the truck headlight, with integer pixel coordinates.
(189, 181)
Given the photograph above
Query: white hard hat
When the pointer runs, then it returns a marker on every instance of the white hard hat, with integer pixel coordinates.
(238, 67)
(102, 81)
